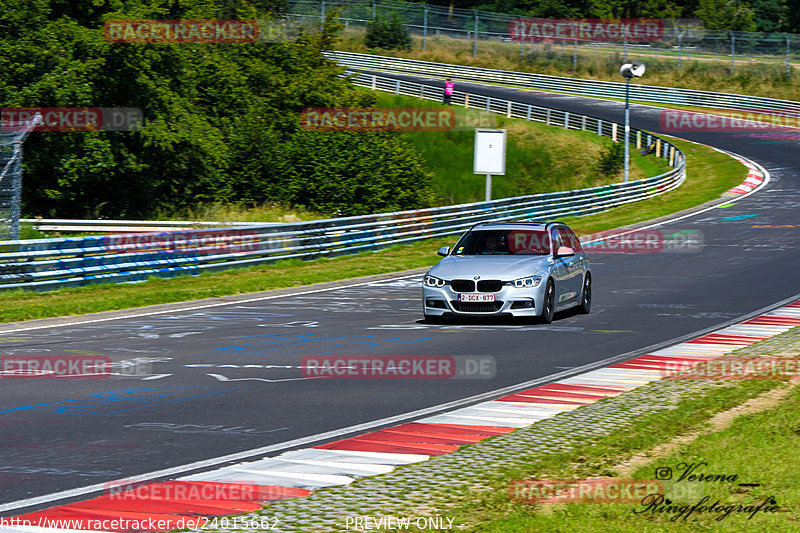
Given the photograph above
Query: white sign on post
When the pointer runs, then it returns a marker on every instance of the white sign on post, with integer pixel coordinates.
(490, 155)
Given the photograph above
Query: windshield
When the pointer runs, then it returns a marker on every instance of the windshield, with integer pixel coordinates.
(504, 242)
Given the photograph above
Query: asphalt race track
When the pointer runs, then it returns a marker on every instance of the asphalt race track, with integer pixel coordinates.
(198, 384)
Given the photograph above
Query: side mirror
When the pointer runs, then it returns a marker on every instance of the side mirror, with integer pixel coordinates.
(443, 251)
(564, 251)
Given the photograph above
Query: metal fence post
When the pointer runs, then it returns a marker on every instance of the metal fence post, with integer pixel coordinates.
(397, 87)
(424, 26)
(15, 168)
(521, 35)
(574, 49)
(733, 50)
(321, 13)
(374, 9)
(626, 46)
(788, 56)
(680, 46)
(475, 36)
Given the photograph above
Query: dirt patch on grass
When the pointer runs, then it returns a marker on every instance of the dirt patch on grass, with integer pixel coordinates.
(718, 422)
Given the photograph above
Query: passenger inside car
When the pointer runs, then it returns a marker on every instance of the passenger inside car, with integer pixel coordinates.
(494, 244)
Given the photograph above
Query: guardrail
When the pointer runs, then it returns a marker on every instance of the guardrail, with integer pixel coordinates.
(591, 88)
(43, 264)
(677, 40)
(121, 226)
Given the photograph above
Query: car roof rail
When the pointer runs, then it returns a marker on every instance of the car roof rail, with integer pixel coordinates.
(546, 223)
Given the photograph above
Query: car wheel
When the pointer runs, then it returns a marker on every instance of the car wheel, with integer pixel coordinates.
(549, 304)
(586, 296)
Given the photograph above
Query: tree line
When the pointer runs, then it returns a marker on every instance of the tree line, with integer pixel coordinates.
(221, 121)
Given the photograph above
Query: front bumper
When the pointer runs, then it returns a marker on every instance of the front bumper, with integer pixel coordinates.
(509, 301)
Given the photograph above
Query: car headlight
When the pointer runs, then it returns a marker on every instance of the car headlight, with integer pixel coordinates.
(431, 281)
(530, 281)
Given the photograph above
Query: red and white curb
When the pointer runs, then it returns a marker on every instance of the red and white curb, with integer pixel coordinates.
(245, 487)
(754, 180)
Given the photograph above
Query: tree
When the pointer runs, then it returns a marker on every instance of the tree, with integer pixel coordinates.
(726, 15)
(770, 15)
(388, 32)
(792, 23)
(219, 118)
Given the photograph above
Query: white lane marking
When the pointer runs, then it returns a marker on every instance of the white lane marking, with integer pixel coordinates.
(157, 376)
(356, 469)
(383, 458)
(203, 306)
(220, 377)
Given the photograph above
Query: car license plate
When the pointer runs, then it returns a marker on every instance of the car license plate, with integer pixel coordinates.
(476, 297)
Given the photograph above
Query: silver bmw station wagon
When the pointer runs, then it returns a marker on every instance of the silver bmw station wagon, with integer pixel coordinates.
(522, 269)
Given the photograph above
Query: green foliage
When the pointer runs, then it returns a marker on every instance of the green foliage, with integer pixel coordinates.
(612, 159)
(388, 33)
(353, 173)
(770, 15)
(726, 15)
(218, 117)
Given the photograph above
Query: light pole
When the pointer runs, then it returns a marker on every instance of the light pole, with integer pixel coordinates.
(629, 70)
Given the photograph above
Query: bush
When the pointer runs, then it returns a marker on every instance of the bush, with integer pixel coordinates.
(352, 173)
(387, 33)
(612, 159)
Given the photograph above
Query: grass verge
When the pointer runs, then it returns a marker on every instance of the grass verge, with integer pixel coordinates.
(539, 158)
(711, 174)
(755, 448)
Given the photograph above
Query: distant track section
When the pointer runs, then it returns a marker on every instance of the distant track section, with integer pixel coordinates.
(560, 84)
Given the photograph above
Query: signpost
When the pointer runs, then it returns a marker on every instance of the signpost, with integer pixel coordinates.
(490, 155)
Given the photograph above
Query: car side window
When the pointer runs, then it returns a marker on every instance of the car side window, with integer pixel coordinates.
(558, 239)
(576, 242)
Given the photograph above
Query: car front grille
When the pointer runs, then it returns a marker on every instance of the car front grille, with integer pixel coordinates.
(477, 307)
(485, 285)
(463, 285)
(490, 285)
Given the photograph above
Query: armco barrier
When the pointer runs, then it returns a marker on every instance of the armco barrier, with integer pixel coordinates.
(576, 86)
(52, 263)
(64, 225)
